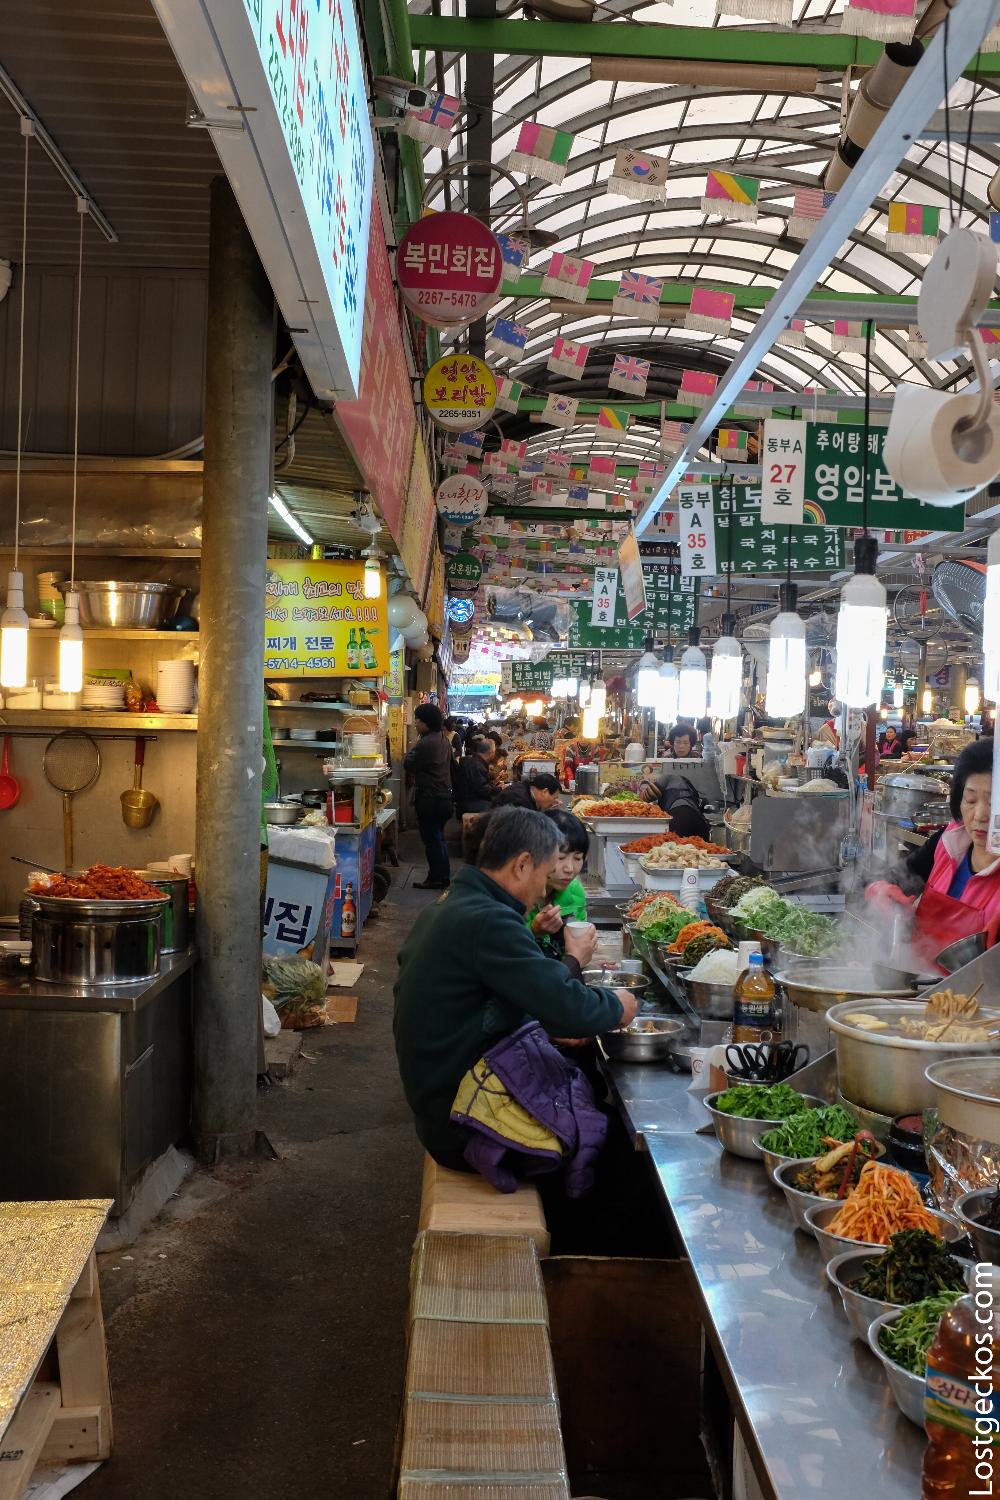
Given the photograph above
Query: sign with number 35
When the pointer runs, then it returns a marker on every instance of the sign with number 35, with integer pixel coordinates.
(696, 522)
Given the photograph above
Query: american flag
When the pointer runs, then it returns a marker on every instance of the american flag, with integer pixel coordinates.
(636, 291)
(629, 374)
(808, 209)
(673, 436)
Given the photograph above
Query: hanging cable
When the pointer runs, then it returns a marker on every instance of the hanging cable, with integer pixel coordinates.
(82, 212)
(867, 427)
(26, 130)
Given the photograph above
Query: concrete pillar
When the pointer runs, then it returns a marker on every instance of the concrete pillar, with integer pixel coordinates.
(238, 427)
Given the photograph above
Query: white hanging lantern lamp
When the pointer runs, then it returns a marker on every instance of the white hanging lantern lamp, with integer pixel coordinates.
(786, 661)
(898, 694)
(14, 634)
(727, 672)
(861, 629)
(591, 726)
(972, 697)
(647, 680)
(692, 696)
(669, 686)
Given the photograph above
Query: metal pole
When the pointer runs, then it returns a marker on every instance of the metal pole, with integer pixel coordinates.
(238, 426)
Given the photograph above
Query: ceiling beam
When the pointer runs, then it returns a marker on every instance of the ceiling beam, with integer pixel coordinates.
(969, 22)
(828, 50)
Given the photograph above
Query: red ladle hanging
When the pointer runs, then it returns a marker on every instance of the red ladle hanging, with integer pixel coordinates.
(10, 787)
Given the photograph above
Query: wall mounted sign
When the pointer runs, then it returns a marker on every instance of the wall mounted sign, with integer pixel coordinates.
(696, 523)
(301, 162)
(450, 268)
(672, 604)
(461, 647)
(826, 484)
(463, 570)
(319, 623)
(461, 611)
(760, 548)
(462, 499)
(460, 392)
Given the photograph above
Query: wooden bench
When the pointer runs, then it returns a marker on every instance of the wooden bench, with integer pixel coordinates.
(481, 1415)
(459, 1202)
(55, 1400)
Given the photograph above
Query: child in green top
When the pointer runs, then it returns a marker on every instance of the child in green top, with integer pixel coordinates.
(567, 897)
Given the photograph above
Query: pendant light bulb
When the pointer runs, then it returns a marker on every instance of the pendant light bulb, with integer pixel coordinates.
(373, 576)
(591, 726)
(647, 681)
(14, 634)
(786, 660)
(669, 685)
(571, 684)
(583, 693)
(898, 696)
(599, 696)
(861, 630)
(692, 695)
(927, 701)
(972, 697)
(991, 622)
(727, 673)
(71, 647)
(815, 677)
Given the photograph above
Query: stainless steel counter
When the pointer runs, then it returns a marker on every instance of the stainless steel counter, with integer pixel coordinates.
(17, 992)
(814, 1409)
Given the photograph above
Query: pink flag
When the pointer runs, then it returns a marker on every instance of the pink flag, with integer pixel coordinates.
(568, 358)
(710, 311)
(567, 276)
(882, 20)
(600, 468)
(794, 336)
(697, 388)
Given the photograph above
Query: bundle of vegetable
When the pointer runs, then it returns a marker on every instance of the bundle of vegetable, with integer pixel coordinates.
(297, 988)
(640, 904)
(907, 1340)
(654, 908)
(884, 1202)
(737, 890)
(806, 932)
(915, 1266)
(665, 928)
(838, 1173)
(710, 942)
(805, 1135)
(756, 1101)
(721, 889)
(759, 908)
(694, 930)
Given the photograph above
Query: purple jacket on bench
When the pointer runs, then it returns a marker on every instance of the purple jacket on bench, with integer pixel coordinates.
(555, 1093)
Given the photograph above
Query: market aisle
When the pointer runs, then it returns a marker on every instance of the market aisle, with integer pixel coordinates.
(263, 1354)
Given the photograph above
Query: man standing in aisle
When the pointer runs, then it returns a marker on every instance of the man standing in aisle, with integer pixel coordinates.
(471, 972)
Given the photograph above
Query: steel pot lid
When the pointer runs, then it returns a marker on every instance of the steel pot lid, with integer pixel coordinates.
(976, 1079)
(911, 781)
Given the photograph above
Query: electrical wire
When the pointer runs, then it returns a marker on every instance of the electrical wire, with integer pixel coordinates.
(76, 403)
(867, 427)
(20, 356)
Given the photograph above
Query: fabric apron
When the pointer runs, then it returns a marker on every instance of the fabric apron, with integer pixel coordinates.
(941, 920)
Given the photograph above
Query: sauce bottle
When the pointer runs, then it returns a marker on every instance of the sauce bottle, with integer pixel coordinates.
(754, 1012)
(962, 1396)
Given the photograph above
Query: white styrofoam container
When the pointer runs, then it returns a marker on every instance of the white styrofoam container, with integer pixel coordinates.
(672, 880)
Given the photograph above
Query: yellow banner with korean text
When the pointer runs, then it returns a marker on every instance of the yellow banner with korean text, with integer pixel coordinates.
(320, 624)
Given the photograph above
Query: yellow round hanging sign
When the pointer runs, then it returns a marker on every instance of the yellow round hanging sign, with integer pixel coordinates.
(460, 392)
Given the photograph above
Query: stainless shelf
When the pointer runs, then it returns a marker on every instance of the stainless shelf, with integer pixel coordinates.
(13, 718)
(304, 745)
(334, 706)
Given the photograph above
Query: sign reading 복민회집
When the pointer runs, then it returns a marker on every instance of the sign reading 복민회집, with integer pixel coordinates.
(291, 75)
(460, 392)
(449, 267)
(319, 624)
(813, 475)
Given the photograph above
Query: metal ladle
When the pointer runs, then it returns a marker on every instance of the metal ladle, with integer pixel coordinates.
(138, 806)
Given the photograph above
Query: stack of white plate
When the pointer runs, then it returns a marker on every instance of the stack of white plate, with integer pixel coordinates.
(105, 697)
(175, 686)
(364, 745)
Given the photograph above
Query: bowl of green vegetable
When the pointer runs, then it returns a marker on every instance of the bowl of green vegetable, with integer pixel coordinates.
(741, 1113)
(915, 1265)
(804, 1135)
(901, 1338)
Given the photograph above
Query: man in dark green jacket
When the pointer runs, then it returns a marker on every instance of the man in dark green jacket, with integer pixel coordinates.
(470, 972)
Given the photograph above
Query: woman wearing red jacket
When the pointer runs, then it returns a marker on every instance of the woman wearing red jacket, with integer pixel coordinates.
(962, 893)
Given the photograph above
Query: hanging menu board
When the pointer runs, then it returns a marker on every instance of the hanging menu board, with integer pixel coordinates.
(671, 604)
(813, 472)
(760, 548)
(536, 676)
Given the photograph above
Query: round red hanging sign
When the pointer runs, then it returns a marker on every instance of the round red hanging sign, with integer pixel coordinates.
(450, 269)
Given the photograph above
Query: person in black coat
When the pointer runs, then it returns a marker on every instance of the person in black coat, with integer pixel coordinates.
(474, 792)
(539, 792)
(430, 764)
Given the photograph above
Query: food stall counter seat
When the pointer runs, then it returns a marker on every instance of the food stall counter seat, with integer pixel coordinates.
(94, 1084)
(812, 1408)
(464, 1202)
(50, 1299)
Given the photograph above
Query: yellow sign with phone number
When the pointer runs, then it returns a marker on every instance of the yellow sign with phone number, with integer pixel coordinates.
(319, 623)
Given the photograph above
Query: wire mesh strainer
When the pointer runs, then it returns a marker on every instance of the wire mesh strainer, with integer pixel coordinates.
(71, 763)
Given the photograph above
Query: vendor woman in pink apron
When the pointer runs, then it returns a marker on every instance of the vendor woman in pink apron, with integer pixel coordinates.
(961, 896)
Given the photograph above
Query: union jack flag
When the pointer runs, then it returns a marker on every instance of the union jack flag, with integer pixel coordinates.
(629, 374)
(635, 291)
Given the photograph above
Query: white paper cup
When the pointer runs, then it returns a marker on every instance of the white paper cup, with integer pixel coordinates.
(181, 863)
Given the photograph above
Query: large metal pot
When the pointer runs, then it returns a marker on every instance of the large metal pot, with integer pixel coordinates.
(808, 989)
(902, 793)
(117, 604)
(96, 943)
(967, 1093)
(885, 1073)
(176, 918)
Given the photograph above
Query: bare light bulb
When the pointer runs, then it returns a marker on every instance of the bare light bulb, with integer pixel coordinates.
(71, 647)
(14, 634)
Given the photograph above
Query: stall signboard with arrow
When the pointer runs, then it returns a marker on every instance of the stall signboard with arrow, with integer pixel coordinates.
(813, 475)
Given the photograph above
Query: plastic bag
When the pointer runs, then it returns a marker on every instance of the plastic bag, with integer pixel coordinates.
(272, 1021)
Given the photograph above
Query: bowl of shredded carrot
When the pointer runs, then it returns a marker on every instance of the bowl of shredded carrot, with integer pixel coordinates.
(884, 1202)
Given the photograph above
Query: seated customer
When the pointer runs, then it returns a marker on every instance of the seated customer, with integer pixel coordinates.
(539, 792)
(470, 974)
(677, 797)
(566, 898)
(474, 792)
